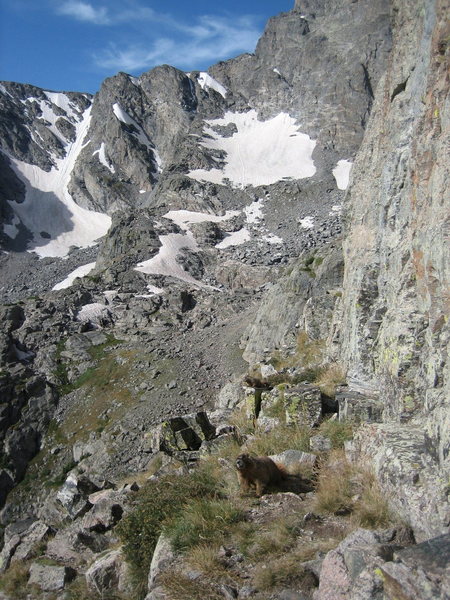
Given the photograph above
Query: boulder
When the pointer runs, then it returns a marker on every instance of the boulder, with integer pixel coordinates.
(421, 571)
(105, 573)
(73, 495)
(7, 552)
(357, 407)
(183, 433)
(50, 578)
(105, 514)
(410, 476)
(157, 593)
(21, 540)
(303, 405)
(230, 396)
(76, 544)
(163, 555)
(294, 460)
(353, 570)
(30, 539)
(266, 424)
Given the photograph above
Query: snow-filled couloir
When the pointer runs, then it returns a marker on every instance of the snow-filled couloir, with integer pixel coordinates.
(49, 212)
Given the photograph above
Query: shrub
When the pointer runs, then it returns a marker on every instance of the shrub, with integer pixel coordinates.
(157, 502)
(334, 489)
(347, 488)
(14, 581)
(284, 570)
(205, 558)
(371, 509)
(202, 520)
(179, 587)
(337, 432)
(278, 439)
(329, 378)
(275, 538)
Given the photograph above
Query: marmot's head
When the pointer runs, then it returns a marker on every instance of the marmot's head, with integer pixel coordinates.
(242, 461)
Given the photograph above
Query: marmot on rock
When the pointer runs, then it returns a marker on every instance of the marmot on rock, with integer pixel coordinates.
(258, 472)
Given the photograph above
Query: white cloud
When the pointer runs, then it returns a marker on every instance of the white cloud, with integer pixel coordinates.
(210, 39)
(102, 15)
(82, 11)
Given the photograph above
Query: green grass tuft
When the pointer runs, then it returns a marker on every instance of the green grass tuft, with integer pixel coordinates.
(202, 521)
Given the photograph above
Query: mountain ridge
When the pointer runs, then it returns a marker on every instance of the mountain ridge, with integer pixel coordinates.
(212, 278)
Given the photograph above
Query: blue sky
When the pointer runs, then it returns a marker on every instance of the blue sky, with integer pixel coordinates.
(74, 44)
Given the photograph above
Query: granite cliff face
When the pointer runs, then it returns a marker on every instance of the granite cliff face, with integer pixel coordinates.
(395, 293)
(218, 199)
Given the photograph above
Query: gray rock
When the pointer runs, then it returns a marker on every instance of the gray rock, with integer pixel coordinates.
(320, 443)
(8, 551)
(343, 566)
(50, 578)
(30, 539)
(408, 475)
(105, 513)
(355, 407)
(268, 371)
(183, 433)
(395, 334)
(156, 593)
(163, 556)
(229, 396)
(292, 460)
(72, 496)
(420, 571)
(303, 405)
(104, 574)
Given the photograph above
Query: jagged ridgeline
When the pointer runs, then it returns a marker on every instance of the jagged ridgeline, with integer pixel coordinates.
(252, 259)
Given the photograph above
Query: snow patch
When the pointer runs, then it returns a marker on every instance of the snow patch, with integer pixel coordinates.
(183, 218)
(205, 81)
(122, 115)
(307, 222)
(260, 152)
(62, 101)
(341, 173)
(80, 272)
(102, 158)
(3, 90)
(153, 289)
(253, 212)
(140, 134)
(271, 238)
(48, 207)
(235, 239)
(165, 262)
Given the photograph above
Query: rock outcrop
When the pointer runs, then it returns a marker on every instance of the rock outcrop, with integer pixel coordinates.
(395, 331)
(209, 267)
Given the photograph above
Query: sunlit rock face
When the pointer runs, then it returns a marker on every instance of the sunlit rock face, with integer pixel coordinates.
(397, 268)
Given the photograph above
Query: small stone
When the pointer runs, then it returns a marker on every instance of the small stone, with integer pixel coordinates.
(320, 443)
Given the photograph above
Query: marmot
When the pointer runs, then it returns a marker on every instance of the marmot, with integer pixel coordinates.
(258, 472)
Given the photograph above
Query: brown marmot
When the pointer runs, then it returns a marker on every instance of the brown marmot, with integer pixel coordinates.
(258, 472)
